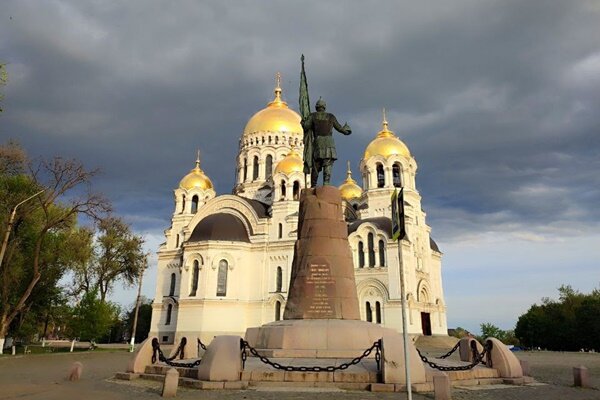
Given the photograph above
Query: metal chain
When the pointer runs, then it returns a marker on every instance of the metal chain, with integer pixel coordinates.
(157, 353)
(376, 346)
(448, 354)
(473, 364)
(202, 345)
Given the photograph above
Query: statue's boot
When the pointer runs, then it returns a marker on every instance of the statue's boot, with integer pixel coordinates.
(314, 177)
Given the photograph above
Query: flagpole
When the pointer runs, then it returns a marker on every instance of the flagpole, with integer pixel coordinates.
(404, 327)
(398, 234)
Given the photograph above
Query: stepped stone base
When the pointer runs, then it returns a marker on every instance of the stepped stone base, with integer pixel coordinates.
(363, 376)
(317, 338)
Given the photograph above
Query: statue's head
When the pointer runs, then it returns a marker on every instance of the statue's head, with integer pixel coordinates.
(321, 106)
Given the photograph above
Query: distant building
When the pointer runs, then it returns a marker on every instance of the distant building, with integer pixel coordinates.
(225, 265)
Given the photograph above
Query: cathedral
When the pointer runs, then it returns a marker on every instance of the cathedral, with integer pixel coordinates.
(226, 262)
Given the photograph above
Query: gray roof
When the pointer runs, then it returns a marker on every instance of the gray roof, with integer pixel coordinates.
(433, 245)
(262, 209)
(220, 226)
(382, 223)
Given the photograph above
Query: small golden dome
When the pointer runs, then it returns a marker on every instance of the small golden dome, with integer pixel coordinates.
(196, 178)
(276, 117)
(386, 144)
(290, 163)
(350, 189)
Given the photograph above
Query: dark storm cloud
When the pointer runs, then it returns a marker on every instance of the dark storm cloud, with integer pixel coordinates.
(497, 100)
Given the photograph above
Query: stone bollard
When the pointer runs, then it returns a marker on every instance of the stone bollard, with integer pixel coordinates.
(441, 387)
(581, 376)
(525, 367)
(75, 372)
(14, 350)
(170, 383)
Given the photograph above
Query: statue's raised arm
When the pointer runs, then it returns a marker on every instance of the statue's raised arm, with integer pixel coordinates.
(341, 129)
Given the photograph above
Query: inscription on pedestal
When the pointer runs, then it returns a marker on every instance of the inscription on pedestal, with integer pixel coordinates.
(321, 282)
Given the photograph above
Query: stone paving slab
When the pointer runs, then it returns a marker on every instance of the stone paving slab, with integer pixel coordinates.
(43, 377)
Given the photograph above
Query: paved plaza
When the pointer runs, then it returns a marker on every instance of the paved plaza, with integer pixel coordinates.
(44, 377)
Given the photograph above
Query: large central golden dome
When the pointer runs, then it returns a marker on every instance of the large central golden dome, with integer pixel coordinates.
(386, 144)
(276, 117)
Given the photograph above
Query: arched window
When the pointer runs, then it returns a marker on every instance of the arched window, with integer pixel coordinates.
(255, 169)
(279, 282)
(280, 233)
(369, 312)
(195, 275)
(169, 312)
(378, 312)
(222, 278)
(282, 189)
(361, 255)
(245, 169)
(172, 286)
(381, 253)
(396, 175)
(380, 176)
(269, 165)
(277, 310)
(371, 246)
(182, 204)
(194, 204)
(296, 190)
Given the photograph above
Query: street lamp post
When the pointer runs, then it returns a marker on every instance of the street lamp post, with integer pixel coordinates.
(135, 315)
(10, 225)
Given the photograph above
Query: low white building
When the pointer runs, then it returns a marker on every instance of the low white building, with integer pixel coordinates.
(225, 265)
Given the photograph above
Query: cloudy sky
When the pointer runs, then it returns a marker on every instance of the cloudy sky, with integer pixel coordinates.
(499, 102)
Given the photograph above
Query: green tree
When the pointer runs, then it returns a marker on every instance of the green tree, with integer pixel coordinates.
(44, 229)
(115, 255)
(144, 318)
(93, 318)
(588, 321)
(490, 330)
(567, 324)
(459, 332)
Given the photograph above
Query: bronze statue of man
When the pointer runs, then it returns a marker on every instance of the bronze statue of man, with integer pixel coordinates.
(320, 125)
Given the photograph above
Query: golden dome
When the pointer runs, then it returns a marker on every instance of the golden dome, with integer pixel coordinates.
(276, 117)
(290, 163)
(386, 144)
(196, 178)
(350, 189)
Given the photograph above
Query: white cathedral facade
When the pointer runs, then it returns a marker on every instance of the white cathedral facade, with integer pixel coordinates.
(226, 262)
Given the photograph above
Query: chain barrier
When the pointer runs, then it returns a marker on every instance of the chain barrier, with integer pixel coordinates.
(476, 361)
(245, 347)
(201, 345)
(158, 354)
(448, 354)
